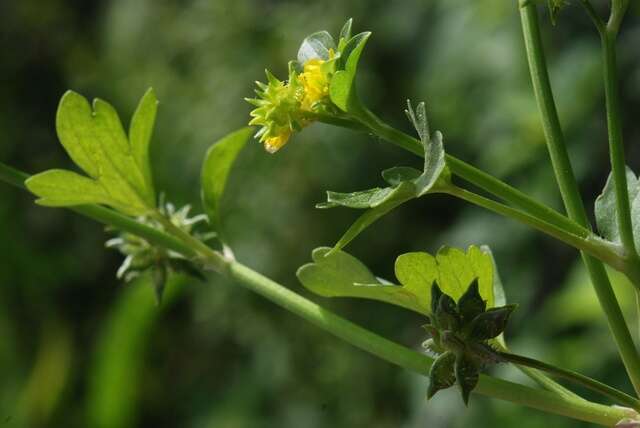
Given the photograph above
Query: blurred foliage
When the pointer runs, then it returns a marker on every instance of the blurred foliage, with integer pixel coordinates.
(78, 349)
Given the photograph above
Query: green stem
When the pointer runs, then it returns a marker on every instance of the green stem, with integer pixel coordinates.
(106, 216)
(616, 146)
(366, 340)
(569, 188)
(618, 396)
(540, 378)
(591, 245)
(547, 383)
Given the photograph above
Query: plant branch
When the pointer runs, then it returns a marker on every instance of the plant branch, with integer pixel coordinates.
(616, 395)
(366, 340)
(474, 176)
(569, 188)
(592, 245)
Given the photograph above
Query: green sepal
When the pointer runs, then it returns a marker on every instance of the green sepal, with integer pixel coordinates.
(467, 374)
(342, 89)
(345, 34)
(432, 348)
(491, 323)
(436, 294)
(471, 304)
(441, 374)
(446, 315)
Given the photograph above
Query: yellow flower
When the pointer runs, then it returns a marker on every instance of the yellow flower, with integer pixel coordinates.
(315, 81)
(283, 107)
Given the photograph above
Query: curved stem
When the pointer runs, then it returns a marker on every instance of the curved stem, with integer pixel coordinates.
(591, 245)
(366, 340)
(618, 396)
(569, 188)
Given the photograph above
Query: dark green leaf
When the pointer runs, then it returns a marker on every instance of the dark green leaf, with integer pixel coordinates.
(491, 323)
(215, 170)
(471, 304)
(338, 274)
(467, 375)
(441, 374)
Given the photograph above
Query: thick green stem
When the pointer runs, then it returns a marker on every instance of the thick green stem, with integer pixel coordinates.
(592, 245)
(616, 395)
(569, 188)
(366, 340)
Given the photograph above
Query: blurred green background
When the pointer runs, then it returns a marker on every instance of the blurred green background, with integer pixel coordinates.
(78, 349)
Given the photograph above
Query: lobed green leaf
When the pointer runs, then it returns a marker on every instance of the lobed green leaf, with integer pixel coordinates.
(453, 269)
(95, 140)
(339, 274)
